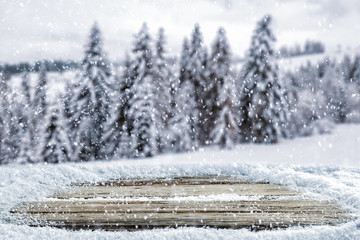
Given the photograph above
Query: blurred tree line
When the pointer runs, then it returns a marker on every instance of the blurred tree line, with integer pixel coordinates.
(156, 105)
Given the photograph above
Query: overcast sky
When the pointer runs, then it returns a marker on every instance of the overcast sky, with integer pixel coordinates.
(37, 29)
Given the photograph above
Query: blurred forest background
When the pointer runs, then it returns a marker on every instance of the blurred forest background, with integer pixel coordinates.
(153, 103)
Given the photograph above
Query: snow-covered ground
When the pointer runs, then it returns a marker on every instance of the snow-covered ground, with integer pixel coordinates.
(322, 167)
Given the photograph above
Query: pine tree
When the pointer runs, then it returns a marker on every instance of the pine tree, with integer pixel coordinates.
(306, 112)
(264, 114)
(195, 63)
(123, 149)
(204, 103)
(11, 111)
(90, 102)
(142, 112)
(184, 75)
(117, 132)
(69, 124)
(143, 134)
(26, 152)
(3, 119)
(225, 131)
(39, 103)
(26, 104)
(355, 73)
(346, 67)
(184, 123)
(181, 125)
(2, 136)
(25, 87)
(335, 93)
(23, 108)
(308, 78)
(194, 68)
(162, 88)
(39, 108)
(184, 70)
(220, 80)
(55, 147)
(174, 86)
(305, 95)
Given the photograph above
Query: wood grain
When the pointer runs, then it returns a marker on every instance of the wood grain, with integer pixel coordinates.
(134, 204)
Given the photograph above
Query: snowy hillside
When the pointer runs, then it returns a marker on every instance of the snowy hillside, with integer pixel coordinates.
(293, 63)
(322, 167)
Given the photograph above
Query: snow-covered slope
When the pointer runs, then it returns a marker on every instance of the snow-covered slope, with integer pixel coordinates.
(323, 167)
(294, 63)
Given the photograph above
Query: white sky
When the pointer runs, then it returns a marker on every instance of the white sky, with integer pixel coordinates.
(37, 29)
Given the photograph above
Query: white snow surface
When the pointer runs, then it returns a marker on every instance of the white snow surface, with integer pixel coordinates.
(322, 167)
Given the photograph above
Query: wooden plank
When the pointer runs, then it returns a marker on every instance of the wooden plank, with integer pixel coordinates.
(134, 204)
(183, 206)
(163, 191)
(185, 180)
(223, 220)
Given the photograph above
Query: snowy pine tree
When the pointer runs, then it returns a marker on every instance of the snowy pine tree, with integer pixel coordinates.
(3, 119)
(25, 111)
(204, 103)
(184, 70)
(25, 87)
(355, 73)
(225, 131)
(55, 147)
(117, 132)
(39, 107)
(264, 114)
(26, 102)
(184, 123)
(143, 134)
(183, 76)
(11, 111)
(69, 123)
(26, 152)
(39, 103)
(89, 105)
(195, 63)
(307, 77)
(142, 111)
(194, 69)
(220, 97)
(162, 88)
(335, 92)
(2, 136)
(346, 67)
(184, 117)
